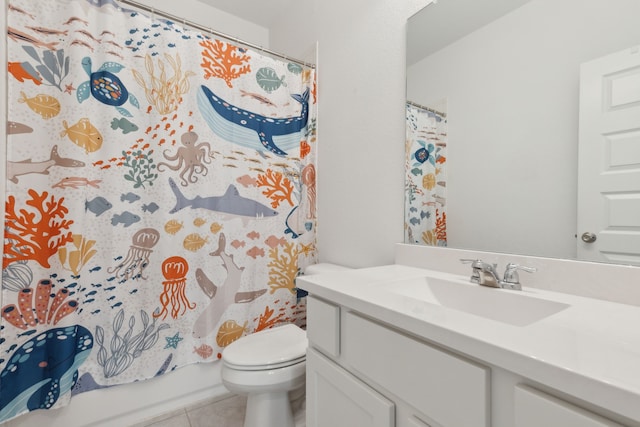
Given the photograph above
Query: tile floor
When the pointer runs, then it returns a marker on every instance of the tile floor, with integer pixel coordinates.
(225, 412)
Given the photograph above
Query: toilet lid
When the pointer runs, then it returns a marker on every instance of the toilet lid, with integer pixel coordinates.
(274, 347)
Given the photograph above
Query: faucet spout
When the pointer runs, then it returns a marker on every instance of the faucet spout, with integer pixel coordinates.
(484, 274)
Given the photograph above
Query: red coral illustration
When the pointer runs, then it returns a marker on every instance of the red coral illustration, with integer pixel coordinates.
(35, 235)
(279, 188)
(223, 60)
(441, 226)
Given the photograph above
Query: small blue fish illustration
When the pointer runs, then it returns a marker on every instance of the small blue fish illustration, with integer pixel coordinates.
(73, 285)
(89, 300)
(98, 205)
(155, 25)
(98, 268)
(118, 258)
(75, 277)
(110, 288)
(133, 291)
(96, 285)
(416, 171)
(156, 34)
(129, 197)
(91, 293)
(118, 304)
(146, 30)
(411, 209)
(154, 53)
(133, 31)
(30, 332)
(124, 124)
(424, 215)
(150, 207)
(171, 45)
(128, 42)
(414, 221)
(53, 276)
(61, 280)
(111, 279)
(152, 45)
(95, 312)
(126, 218)
(111, 298)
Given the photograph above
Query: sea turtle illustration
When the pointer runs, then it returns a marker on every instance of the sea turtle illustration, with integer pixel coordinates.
(105, 86)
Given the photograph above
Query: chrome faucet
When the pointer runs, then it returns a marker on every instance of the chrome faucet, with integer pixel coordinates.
(485, 274)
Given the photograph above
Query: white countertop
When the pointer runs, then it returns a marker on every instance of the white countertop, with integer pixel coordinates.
(590, 350)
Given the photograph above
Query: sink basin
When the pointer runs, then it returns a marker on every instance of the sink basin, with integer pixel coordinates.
(511, 307)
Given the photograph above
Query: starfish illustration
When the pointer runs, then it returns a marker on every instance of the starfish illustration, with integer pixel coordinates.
(172, 342)
(69, 88)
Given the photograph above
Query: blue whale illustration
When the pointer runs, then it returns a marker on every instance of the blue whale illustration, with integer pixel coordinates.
(253, 130)
(43, 369)
(231, 202)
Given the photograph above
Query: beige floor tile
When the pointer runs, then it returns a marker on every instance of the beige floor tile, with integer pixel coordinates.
(224, 413)
(180, 420)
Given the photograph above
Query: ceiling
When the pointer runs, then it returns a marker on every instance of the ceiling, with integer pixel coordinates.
(261, 12)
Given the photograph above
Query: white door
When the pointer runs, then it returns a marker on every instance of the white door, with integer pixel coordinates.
(609, 159)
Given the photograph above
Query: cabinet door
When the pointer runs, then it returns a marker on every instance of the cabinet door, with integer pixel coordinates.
(336, 398)
(535, 409)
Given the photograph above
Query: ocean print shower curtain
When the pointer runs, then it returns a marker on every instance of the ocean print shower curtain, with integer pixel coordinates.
(160, 198)
(425, 177)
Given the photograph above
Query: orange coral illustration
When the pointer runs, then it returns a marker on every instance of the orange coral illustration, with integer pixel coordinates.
(31, 313)
(223, 60)
(35, 235)
(283, 268)
(267, 319)
(279, 188)
(441, 226)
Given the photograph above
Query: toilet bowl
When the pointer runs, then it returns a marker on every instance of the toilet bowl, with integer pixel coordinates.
(265, 367)
(269, 367)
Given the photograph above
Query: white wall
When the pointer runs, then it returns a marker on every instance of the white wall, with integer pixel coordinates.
(130, 403)
(361, 83)
(512, 91)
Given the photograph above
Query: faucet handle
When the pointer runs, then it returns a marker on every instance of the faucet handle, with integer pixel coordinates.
(511, 272)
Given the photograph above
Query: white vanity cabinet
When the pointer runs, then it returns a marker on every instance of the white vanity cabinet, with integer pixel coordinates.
(534, 408)
(363, 373)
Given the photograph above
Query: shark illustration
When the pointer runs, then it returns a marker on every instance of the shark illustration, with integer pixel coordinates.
(43, 369)
(15, 169)
(250, 129)
(231, 202)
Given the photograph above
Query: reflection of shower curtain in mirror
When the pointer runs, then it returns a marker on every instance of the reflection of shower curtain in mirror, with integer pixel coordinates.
(160, 198)
(425, 177)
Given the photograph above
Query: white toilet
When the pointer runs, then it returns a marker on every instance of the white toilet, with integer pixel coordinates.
(268, 366)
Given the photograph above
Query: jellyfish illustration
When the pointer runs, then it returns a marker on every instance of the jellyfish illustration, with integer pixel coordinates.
(174, 269)
(138, 256)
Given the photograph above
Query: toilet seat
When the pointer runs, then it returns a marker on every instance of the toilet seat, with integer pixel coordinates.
(268, 349)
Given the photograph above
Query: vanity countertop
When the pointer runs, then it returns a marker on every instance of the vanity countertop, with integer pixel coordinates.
(590, 350)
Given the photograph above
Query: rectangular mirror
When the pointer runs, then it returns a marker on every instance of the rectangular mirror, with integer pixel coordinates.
(510, 72)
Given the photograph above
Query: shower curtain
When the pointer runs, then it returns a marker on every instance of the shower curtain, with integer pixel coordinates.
(160, 198)
(425, 177)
